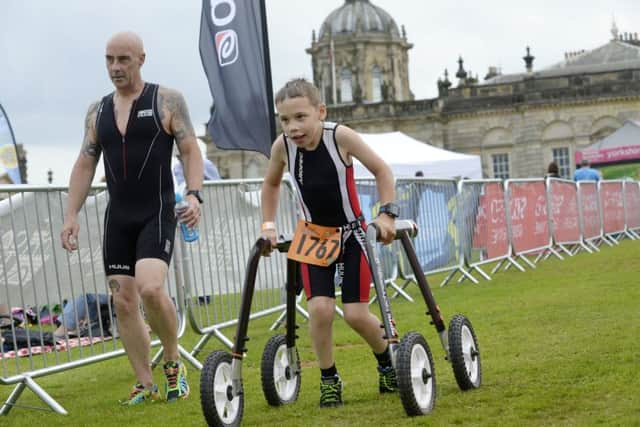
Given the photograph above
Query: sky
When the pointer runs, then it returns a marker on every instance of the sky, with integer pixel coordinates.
(52, 52)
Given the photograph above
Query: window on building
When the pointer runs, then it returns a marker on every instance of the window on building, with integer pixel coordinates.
(346, 94)
(561, 157)
(500, 165)
(376, 82)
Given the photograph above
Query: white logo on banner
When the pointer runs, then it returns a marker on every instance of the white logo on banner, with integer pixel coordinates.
(226, 40)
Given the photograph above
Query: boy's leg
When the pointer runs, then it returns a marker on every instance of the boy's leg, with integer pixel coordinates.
(321, 314)
(361, 320)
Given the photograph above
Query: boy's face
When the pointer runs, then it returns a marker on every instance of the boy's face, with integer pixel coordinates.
(301, 121)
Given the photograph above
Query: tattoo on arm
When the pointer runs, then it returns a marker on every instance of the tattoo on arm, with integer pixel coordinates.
(90, 146)
(175, 105)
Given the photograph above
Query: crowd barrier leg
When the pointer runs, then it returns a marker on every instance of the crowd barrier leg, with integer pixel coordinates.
(280, 320)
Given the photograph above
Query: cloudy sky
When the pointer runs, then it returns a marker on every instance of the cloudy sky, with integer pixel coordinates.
(52, 52)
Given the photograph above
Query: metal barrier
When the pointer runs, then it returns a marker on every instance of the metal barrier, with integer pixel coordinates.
(38, 276)
(612, 208)
(230, 223)
(487, 234)
(562, 205)
(632, 208)
(590, 214)
(528, 219)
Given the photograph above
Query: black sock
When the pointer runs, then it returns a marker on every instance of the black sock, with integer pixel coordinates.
(383, 358)
(329, 372)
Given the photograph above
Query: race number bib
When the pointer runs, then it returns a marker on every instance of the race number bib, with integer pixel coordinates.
(315, 244)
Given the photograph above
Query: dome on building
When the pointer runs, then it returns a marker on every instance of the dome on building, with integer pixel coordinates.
(358, 15)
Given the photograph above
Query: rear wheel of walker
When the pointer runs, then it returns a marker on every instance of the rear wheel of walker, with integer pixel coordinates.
(280, 380)
(416, 376)
(464, 353)
(219, 406)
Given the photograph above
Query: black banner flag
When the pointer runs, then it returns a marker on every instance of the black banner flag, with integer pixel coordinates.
(235, 57)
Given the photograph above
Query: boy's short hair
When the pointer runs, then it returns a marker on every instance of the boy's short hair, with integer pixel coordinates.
(299, 88)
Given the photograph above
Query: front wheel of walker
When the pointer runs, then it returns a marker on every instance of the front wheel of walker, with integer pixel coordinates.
(280, 379)
(219, 406)
(464, 353)
(416, 376)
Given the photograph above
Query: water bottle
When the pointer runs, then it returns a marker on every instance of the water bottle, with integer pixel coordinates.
(188, 234)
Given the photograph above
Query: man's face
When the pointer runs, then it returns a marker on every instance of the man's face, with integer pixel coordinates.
(123, 63)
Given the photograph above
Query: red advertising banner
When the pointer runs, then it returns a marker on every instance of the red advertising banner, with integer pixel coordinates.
(589, 207)
(611, 200)
(609, 155)
(490, 231)
(564, 211)
(528, 213)
(632, 204)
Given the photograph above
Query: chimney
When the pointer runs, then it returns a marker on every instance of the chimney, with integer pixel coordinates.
(528, 60)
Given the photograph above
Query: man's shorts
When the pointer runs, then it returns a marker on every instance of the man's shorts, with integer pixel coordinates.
(355, 275)
(125, 243)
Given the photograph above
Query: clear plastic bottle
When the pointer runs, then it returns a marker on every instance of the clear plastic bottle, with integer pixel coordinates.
(189, 234)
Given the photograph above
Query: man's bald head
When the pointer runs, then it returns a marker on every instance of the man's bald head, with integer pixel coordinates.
(128, 40)
(125, 56)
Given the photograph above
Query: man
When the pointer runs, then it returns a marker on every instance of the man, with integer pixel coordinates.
(135, 127)
(585, 172)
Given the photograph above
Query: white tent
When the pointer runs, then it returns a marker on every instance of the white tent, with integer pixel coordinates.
(406, 156)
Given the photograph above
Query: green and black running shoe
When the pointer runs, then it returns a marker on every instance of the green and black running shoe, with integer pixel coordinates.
(176, 386)
(139, 395)
(330, 392)
(387, 380)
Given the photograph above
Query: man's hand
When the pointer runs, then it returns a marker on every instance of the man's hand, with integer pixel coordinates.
(387, 227)
(69, 234)
(191, 215)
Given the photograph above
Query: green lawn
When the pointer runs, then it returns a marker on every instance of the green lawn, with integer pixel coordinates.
(560, 346)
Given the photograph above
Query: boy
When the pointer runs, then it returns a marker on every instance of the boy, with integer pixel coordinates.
(318, 155)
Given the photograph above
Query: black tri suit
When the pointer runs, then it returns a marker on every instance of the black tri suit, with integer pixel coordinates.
(139, 221)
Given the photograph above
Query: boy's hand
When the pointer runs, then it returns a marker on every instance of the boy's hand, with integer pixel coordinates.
(269, 232)
(387, 227)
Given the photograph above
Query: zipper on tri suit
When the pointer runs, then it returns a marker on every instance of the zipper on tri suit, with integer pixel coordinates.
(126, 132)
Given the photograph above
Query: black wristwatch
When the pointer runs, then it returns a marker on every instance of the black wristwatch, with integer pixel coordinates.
(390, 209)
(197, 195)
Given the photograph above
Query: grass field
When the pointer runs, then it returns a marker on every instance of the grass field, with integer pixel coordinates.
(560, 346)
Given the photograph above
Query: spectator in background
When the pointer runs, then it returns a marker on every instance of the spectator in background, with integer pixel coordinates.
(210, 170)
(76, 317)
(419, 174)
(585, 172)
(553, 171)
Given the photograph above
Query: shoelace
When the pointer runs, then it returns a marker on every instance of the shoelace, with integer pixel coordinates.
(137, 389)
(172, 375)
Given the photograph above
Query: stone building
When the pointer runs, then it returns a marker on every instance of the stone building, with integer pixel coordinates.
(516, 122)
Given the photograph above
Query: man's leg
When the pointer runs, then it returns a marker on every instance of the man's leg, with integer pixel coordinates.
(158, 307)
(133, 331)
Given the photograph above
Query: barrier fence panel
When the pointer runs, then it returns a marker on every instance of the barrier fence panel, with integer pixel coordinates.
(632, 208)
(432, 204)
(562, 196)
(487, 234)
(38, 277)
(528, 218)
(590, 214)
(612, 208)
(216, 262)
(370, 204)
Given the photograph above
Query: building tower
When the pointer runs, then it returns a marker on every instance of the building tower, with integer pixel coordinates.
(360, 56)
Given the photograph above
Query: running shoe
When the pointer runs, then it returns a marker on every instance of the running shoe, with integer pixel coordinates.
(330, 392)
(176, 386)
(139, 394)
(387, 380)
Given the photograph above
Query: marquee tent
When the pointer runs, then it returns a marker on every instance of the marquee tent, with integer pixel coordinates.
(406, 156)
(621, 146)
